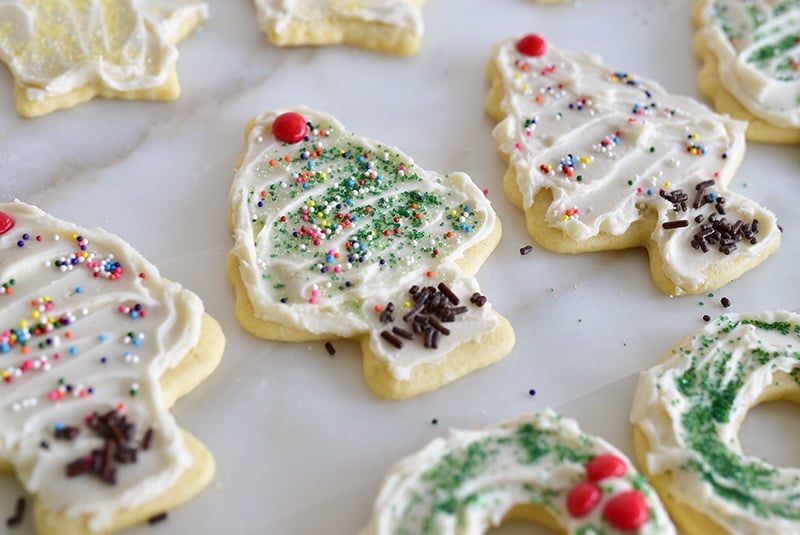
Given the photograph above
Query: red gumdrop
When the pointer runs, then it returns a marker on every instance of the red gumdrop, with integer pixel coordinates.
(532, 45)
(583, 498)
(627, 510)
(604, 466)
(6, 223)
(290, 127)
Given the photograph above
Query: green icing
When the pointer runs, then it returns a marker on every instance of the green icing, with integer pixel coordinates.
(712, 388)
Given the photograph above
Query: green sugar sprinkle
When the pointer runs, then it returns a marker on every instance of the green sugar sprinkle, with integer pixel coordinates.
(441, 488)
(338, 206)
(712, 388)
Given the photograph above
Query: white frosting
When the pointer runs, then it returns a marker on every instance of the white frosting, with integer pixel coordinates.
(483, 474)
(30, 406)
(722, 370)
(757, 46)
(630, 139)
(276, 15)
(56, 46)
(334, 248)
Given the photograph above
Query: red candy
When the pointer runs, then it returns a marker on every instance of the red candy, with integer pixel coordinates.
(605, 466)
(6, 223)
(583, 498)
(627, 511)
(532, 45)
(290, 127)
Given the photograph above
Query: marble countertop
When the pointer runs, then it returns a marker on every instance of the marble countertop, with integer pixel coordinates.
(301, 444)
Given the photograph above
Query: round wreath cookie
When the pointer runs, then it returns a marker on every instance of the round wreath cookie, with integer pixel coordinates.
(340, 236)
(686, 415)
(750, 51)
(600, 159)
(62, 53)
(95, 347)
(540, 467)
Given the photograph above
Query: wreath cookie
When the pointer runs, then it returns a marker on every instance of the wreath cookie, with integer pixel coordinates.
(540, 468)
(686, 415)
(750, 51)
(599, 160)
(65, 52)
(95, 347)
(340, 236)
(390, 26)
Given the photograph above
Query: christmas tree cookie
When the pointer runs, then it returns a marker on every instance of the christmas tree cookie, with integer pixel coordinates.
(63, 53)
(390, 26)
(95, 346)
(600, 159)
(340, 236)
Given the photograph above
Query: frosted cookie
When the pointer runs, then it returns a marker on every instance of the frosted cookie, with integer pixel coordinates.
(751, 63)
(65, 52)
(391, 26)
(95, 346)
(340, 236)
(686, 415)
(599, 159)
(540, 468)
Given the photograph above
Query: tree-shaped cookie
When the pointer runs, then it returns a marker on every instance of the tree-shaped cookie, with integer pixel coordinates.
(391, 26)
(751, 63)
(339, 236)
(95, 346)
(64, 52)
(600, 159)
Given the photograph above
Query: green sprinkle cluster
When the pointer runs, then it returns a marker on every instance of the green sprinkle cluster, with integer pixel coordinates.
(712, 387)
(334, 205)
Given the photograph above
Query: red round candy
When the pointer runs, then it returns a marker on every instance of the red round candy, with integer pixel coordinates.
(583, 498)
(290, 127)
(532, 45)
(604, 466)
(627, 510)
(6, 223)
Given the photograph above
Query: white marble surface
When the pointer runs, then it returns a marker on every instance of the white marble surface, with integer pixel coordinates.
(301, 444)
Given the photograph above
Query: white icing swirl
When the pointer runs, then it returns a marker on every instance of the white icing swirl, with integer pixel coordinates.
(56, 372)
(328, 229)
(605, 144)
(56, 46)
(468, 482)
(757, 46)
(278, 14)
(690, 406)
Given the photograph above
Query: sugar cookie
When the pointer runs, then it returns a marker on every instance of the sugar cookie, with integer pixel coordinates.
(687, 411)
(341, 236)
(62, 53)
(95, 346)
(599, 159)
(751, 63)
(540, 468)
(391, 26)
